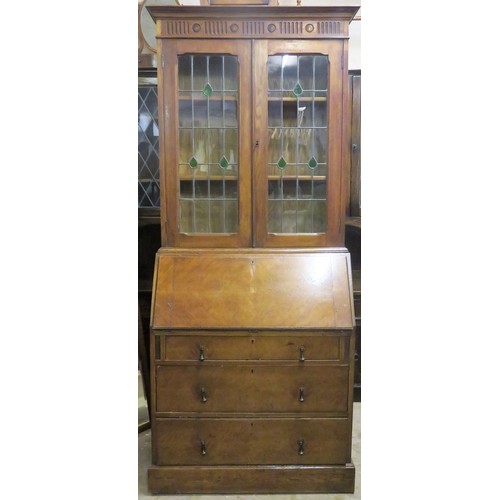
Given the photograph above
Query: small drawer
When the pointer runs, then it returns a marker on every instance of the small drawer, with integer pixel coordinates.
(276, 346)
(252, 388)
(232, 441)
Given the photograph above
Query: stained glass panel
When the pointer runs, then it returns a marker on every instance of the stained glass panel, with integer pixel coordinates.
(208, 163)
(297, 143)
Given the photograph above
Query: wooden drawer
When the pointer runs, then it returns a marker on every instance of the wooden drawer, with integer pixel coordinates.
(207, 441)
(252, 387)
(253, 347)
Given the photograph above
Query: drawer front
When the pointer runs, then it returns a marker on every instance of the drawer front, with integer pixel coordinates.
(253, 347)
(252, 388)
(208, 441)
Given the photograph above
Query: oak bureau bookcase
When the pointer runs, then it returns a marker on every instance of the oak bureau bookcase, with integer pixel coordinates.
(252, 315)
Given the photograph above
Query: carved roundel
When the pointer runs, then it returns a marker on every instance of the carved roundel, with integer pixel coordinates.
(234, 28)
(196, 27)
(271, 28)
(309, 28)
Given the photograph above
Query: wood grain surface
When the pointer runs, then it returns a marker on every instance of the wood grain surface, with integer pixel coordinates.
(251, 479)
(252, 441)
(254, 345)
(261, 290)
(252, 387)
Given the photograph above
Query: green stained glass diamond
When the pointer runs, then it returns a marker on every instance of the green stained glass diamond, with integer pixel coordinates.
(207, 90)
(223, 163)
(193, 163)
(297, 90)
(312, 163)
(281, 163)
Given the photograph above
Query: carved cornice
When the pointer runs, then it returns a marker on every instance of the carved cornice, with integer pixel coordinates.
(253, 22)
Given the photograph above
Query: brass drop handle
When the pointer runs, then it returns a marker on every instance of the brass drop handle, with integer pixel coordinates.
(302, 350)
(203, 448)
(301, 394)
(202, 353)
(356, 357)
(300, 442)
(203, 395)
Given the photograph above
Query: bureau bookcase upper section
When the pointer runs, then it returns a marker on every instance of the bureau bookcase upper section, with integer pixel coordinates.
(253, 125)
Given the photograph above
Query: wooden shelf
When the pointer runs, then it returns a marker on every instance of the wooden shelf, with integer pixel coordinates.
(292, 100)
(223, 97)
(206, 178)
(294, 177)
(269, 177)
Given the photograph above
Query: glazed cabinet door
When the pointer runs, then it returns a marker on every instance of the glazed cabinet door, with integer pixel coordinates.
(205, 146)
(298, 137)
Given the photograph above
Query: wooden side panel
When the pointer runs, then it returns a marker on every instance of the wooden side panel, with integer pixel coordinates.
(253, 290)
(252, 441)
(248, 479)
(355, 180)
(252, 388)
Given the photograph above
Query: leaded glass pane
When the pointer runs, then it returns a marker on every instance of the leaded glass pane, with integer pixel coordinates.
(289, 68)
(274, 145)
(274, 66)
(306, 73)
(231, 216)
(321, 73)
(216, 72)
(200, 110)
(297, 90)
(148, 156)
(208, 90)
(185, 73)
(223, 163)
(215, 142)
(231, 147)
(200, 77)
(231, 75)
(297, 143)
(275, 113)
(208, 143)
(215, 110)
(230, 113)
(312, 163)
(185, 141)
(185, 110)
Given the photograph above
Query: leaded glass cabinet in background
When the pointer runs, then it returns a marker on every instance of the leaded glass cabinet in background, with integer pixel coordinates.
(148, 144)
